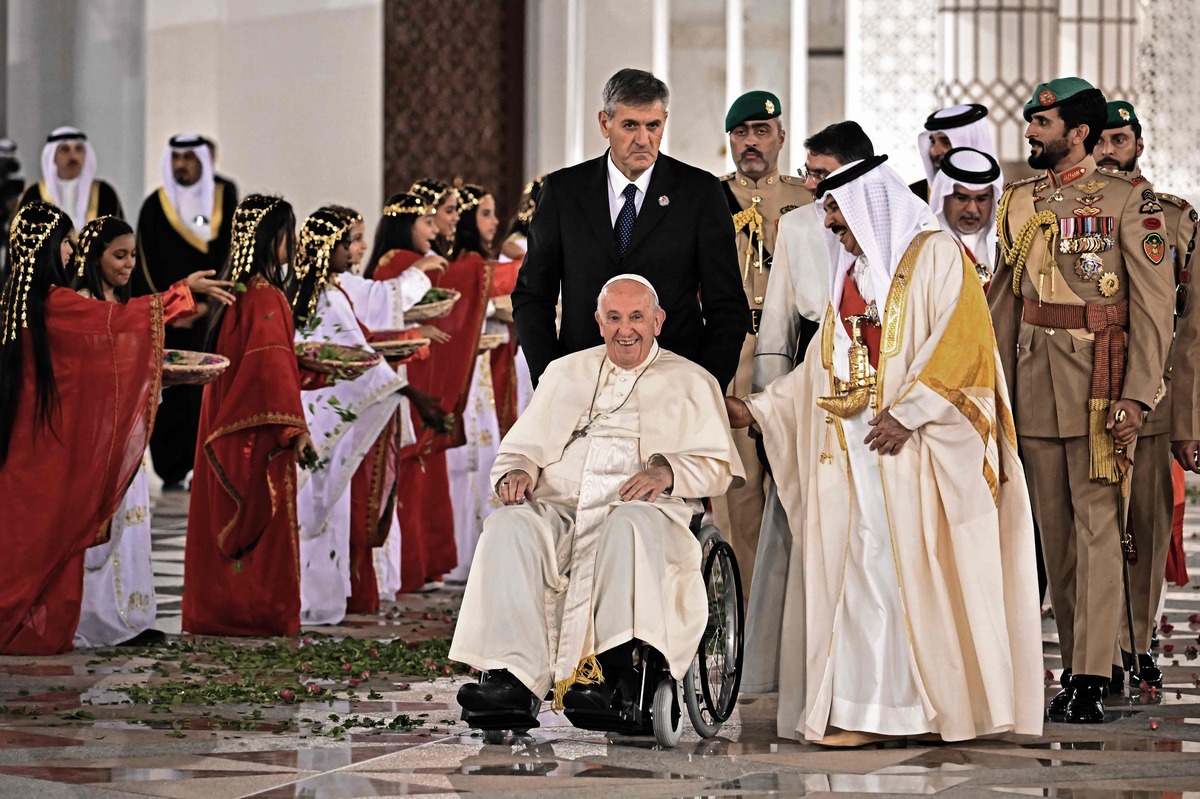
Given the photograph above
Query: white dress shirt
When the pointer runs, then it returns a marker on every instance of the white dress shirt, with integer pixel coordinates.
(616, 187)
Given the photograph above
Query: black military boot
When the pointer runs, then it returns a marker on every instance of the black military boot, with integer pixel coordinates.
(1087, 700)
(1148, 672)
(1058, 705)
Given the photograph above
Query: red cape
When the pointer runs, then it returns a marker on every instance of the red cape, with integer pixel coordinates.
(61, 489)
(242, 556)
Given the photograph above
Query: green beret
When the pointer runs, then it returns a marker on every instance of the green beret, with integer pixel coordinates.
(1120, 114)
(1050, 95)
(754, 106)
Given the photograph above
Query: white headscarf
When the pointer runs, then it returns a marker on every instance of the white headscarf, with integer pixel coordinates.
(968, 160)
(199, 194)
(976, 135)
(884, 216)
(83, 184)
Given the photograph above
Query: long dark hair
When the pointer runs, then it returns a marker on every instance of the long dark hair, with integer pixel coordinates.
(257, 224)
(320, 234)
(394, 231)
(94, 240)
(466, 235)
(35, 248)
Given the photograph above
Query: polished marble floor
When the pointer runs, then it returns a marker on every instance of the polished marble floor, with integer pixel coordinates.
(84, 725)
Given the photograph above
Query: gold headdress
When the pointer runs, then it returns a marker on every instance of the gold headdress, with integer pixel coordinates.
(28, 236)
(412, 203)
(87, 238)
(246, 218)
(433, 191)
(319, 234)
(529, 198)
(469, 196)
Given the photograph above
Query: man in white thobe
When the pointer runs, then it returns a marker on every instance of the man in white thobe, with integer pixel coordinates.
(963, 197)
(916, 612)
(599, 478)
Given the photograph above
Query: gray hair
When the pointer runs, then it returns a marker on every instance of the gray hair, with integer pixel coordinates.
(636, 88)
(641, 281)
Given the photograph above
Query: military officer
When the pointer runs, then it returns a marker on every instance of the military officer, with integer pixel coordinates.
(758, 196)
(1151, 499)
(1081, 302)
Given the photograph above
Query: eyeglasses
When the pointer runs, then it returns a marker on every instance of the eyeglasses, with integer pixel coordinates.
(815, 175)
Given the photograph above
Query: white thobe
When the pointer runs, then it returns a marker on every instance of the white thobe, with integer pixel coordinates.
(345, 420)
(576, 571)
(118, 576)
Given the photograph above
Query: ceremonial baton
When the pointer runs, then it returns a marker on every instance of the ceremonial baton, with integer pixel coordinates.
(1127, 549)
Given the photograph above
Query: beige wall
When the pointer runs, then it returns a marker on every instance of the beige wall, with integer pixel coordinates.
(290, 89)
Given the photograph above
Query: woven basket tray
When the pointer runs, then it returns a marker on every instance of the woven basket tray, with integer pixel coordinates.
(432, 310)
(490, 341)
(344, 363)
(400, 349)
(186, 368)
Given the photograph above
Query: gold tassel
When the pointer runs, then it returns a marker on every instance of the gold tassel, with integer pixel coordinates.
(827, 448)
(588, 672)
(1103, 468)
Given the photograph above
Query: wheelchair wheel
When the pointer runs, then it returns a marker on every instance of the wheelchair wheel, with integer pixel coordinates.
(665, 714)
(711, 685)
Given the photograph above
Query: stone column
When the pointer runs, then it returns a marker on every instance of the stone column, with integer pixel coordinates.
(1167, 95)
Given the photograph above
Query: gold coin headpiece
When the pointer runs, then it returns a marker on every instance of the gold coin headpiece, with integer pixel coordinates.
(469, 196)
(529, 199)
(432, 191)
(26, 240)
(411, 204)
(246, 218)
(319, 234)
(87, 239)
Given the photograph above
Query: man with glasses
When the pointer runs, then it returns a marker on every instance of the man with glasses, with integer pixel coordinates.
(758, 197)
(963, 198)
(796, 299)
(1174, 425)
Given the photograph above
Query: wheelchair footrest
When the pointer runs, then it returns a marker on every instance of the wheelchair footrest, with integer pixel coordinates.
(625, 722)
(499, 720)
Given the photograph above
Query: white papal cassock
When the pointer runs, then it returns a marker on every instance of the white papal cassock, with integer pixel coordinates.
(576, 571)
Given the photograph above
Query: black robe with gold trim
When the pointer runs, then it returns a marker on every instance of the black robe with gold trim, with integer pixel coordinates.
(102, 201)
(169, 250)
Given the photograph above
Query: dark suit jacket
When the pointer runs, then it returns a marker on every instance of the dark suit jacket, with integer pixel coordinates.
(683, 243)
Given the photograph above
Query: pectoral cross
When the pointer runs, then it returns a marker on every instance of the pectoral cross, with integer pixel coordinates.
(578, 434)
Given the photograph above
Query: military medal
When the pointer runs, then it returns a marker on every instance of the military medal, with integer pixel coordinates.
(1090, 233)
(1108, 284)
(1089, 266)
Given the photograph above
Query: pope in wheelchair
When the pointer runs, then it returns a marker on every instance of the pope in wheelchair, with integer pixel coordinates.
(591, 564)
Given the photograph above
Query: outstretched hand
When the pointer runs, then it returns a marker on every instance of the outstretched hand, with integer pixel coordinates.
(201, 283)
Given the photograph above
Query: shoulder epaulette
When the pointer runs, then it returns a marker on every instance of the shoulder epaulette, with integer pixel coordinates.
(724, 178)
(1023, 181)
(1178, 202)
(791, 180)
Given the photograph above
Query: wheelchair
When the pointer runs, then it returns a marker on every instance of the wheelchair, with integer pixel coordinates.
(709, 689)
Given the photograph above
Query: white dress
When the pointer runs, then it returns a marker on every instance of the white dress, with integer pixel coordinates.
(118, 576)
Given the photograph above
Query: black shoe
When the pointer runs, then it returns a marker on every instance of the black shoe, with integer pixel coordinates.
(146, 638)
(1065, 678)
(1116, 684)
(1148, 672)
(1058, 705)
(1087, 701)
(601, 696)
(500, 690)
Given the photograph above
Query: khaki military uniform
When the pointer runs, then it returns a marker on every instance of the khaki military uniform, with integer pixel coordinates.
(1151, 497)
(739, 513)
(1084, 284)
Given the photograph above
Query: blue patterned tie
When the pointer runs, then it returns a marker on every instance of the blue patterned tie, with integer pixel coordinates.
(625, 219)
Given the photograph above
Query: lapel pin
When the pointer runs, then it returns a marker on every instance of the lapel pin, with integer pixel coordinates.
(663, 200)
